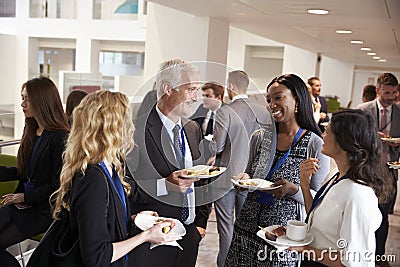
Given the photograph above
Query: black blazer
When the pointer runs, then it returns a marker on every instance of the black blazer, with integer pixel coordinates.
(324, 108)
(200, 115)
(98, 215)
(46, 169)
(153, 159)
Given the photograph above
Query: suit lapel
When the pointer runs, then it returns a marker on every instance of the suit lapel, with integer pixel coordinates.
(161, 141)
(119, 208)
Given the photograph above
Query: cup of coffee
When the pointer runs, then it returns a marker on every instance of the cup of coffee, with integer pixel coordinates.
(296, 230)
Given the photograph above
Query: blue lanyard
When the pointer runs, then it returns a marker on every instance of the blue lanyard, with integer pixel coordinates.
(267, 198)
(282, 160)
(119, 189)
(30, 167)
(182, 142)
(319, 197)
(116, 183)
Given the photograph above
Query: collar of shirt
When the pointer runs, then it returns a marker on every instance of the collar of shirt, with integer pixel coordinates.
(167, 122)
(380, 107)
(242, 96)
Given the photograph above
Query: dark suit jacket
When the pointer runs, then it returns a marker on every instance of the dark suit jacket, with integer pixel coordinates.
(324, 108)
(98, 215)
(153, 159)
(46, 169)
(200, 115)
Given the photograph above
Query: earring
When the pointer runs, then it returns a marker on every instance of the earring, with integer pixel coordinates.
(295, 109)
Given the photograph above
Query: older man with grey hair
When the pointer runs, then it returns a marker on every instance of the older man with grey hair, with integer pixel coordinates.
(167, 143)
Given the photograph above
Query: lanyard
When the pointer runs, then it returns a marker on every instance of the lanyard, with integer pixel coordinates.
(117, 186)
(282, 160)
(323, 191)
(267, 198)
(30, 167)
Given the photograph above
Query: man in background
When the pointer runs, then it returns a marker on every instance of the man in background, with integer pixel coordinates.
(369, 93)
(213, 94)
(234, 125)
(387, 116)
(315, 84)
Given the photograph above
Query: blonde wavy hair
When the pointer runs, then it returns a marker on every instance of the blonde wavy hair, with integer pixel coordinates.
(102, 130)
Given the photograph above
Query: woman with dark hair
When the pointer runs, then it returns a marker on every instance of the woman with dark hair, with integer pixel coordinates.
(27, 211)
(298, 138)
(344, 214)
(73, 100)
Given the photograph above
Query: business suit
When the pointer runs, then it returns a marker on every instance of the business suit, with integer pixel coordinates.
(234, 125)
(372, 108)
(199, 116)
(324, 108)
(46, 167)
(154, 159)
(98, 216)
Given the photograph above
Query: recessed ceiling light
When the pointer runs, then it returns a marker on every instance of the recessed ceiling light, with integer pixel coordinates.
(343, 31)
(382, 60)
(371, 54)
(365, 49)
(317, 11)
(376, 57)
(357, 42)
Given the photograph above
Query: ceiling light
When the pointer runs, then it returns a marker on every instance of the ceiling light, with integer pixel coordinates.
(382, 60)
(371, 54)
(365, 49)
(343, 31)
(318, 11)
(376, 57)
(356, 42)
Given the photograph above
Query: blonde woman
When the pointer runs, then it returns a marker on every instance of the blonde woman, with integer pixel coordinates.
(92, 186)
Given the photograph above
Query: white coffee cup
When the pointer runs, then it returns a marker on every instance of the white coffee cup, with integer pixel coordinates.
(296, 230)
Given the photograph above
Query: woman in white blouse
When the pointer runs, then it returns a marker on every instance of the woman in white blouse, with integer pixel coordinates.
(344, 215)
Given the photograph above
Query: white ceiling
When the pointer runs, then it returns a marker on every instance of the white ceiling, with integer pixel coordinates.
(376, 22)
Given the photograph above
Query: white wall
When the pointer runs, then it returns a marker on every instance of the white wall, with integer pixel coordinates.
(7, 69)
(299, 61)
(173, 34)
(336, 79)
(238, 39)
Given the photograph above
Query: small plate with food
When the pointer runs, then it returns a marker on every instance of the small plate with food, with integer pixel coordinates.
(255, 184)
(146, 221)
(275, 235)
(394, 164)
(203, 171)
(395, 140)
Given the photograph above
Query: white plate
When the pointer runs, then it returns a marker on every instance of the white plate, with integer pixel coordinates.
(391, 139)
(259, 184)
(283, 242)
(393, 166)
(145, 221)
(203, 168)
(324, 123)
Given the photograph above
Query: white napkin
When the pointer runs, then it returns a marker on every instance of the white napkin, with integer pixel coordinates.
(172, 243)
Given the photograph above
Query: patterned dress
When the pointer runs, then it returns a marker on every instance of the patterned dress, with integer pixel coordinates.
(247, 249)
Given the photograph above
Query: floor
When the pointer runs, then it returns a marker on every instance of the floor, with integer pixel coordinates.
(209, 245)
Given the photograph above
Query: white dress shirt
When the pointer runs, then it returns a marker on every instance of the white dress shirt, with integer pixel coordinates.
(349, 212)
(161, 186)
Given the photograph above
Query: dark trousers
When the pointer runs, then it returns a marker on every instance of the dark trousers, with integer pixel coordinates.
(169, 256)
(310, 263)
(382, 233)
